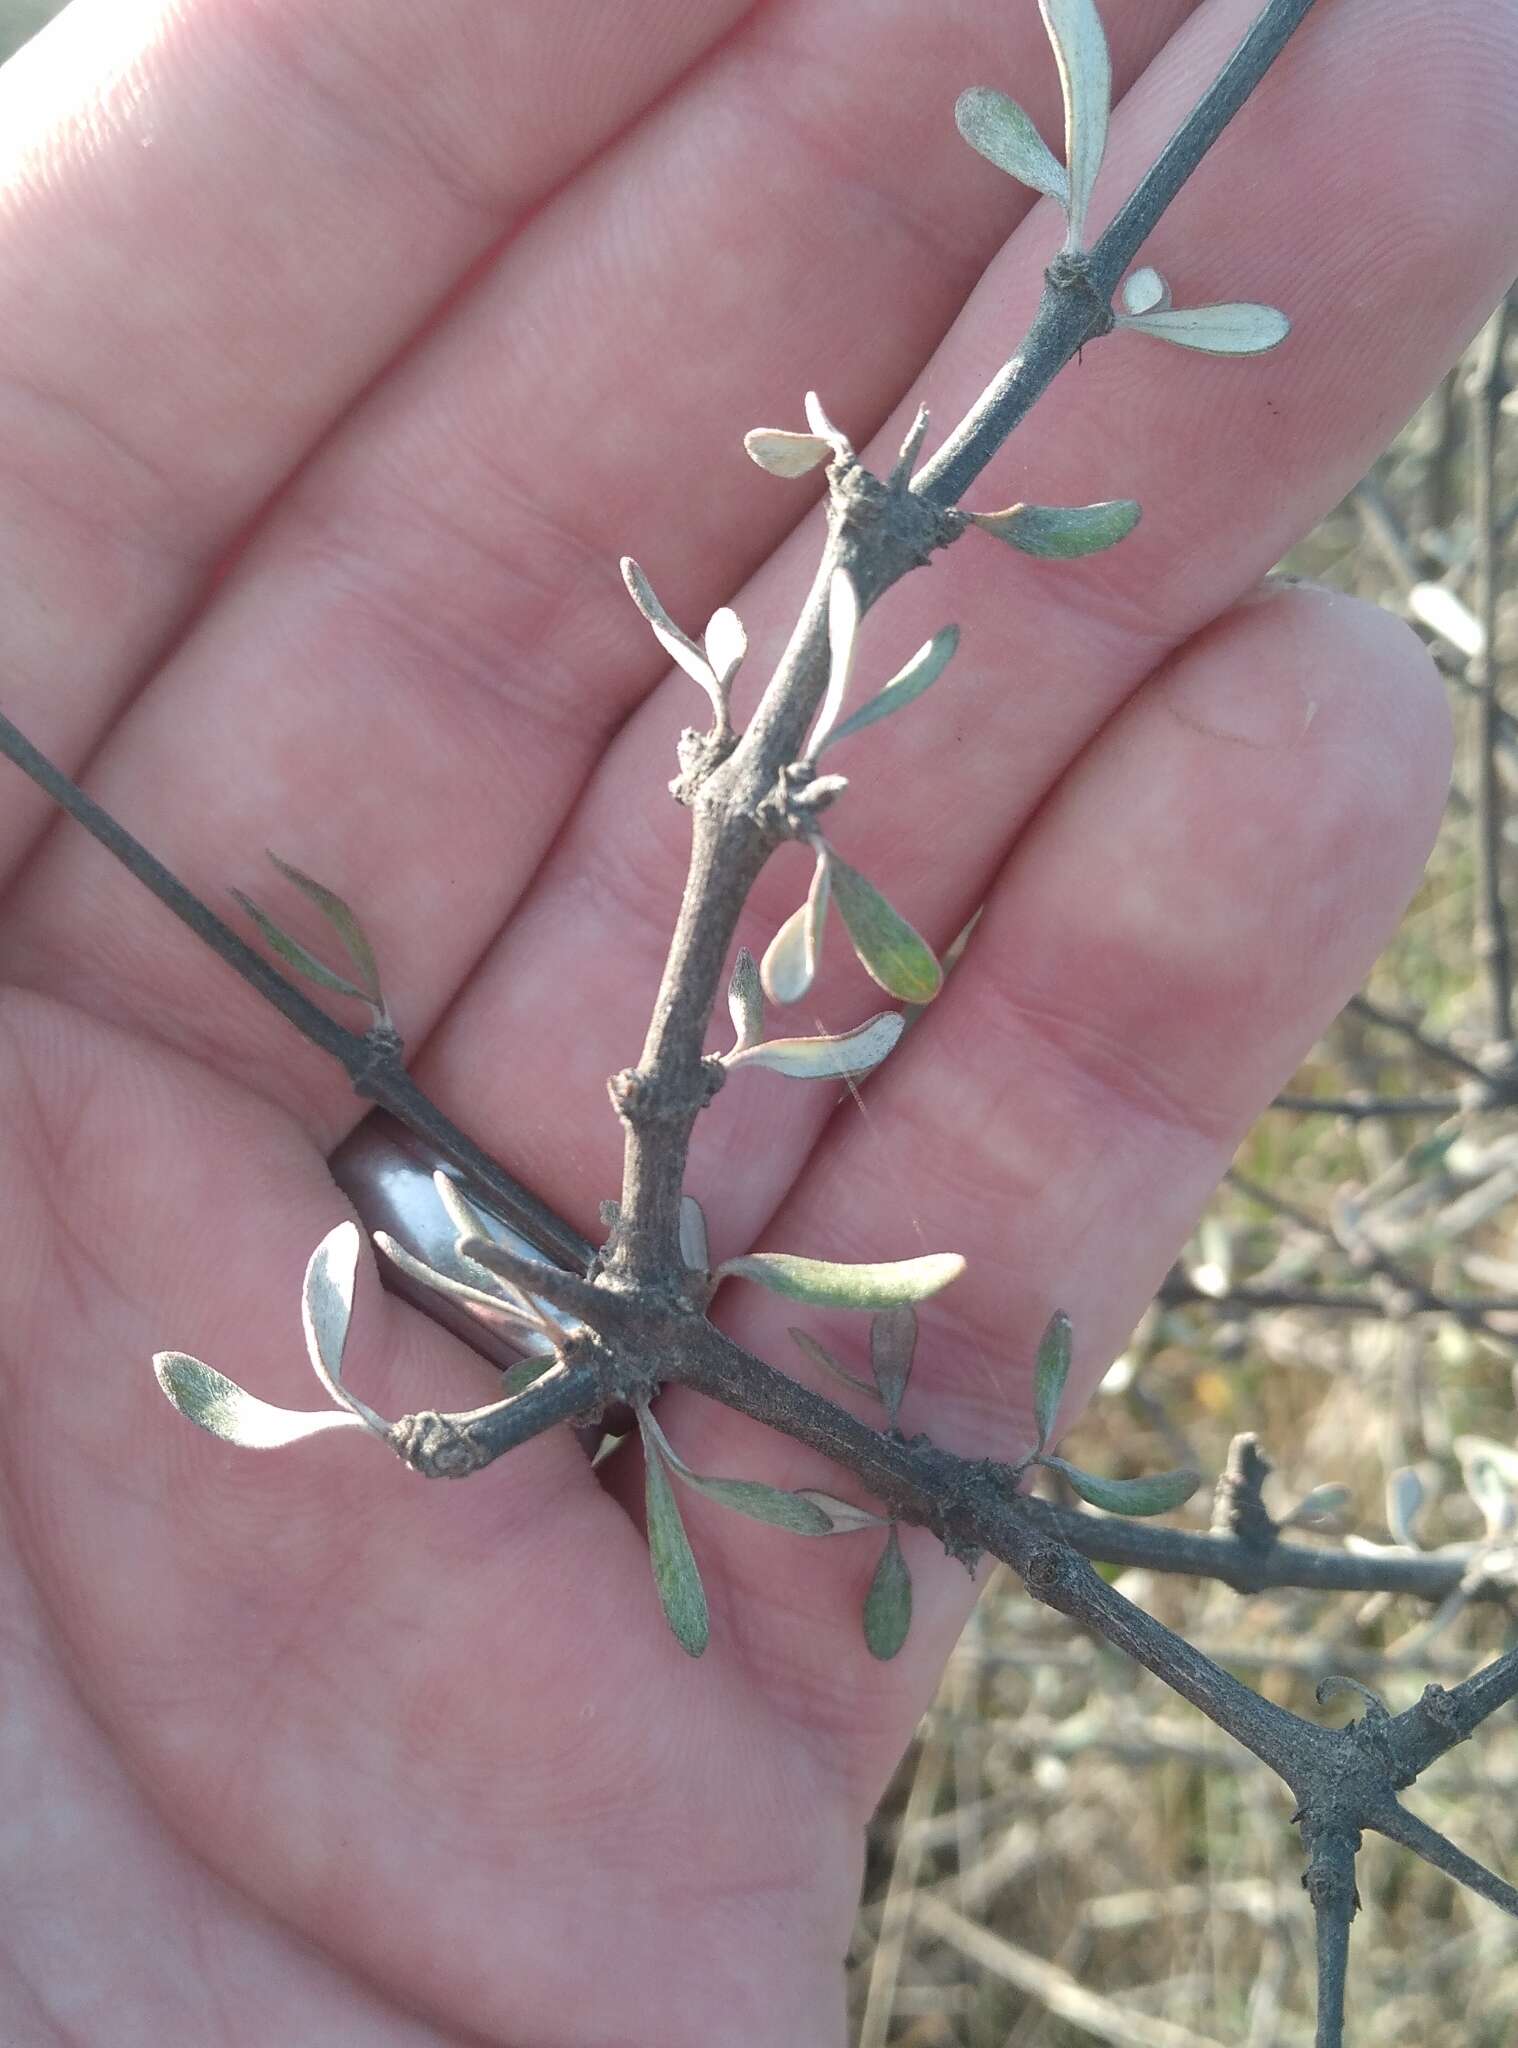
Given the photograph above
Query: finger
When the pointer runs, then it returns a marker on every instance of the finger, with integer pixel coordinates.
(1233, 460)
(1194, 904)
(221, 222)
(409, 676)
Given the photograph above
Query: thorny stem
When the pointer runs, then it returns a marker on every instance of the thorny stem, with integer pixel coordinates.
(1329, 1882)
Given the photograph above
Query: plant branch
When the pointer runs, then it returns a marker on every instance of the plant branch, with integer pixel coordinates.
(1492, 941)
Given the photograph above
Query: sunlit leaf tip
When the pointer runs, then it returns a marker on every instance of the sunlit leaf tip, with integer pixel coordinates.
(326, 1303)
(1051, 1371)
(745, 1000)
(1062, 532)
(843, 637)
(675, 641)
(726, 644)
(790, 960)
(823, 427)
(826, 1284)
(888, 1604)
(785, 454)
(1155, 1494)
(1006, 136)
(889, 950)
(1145, 291)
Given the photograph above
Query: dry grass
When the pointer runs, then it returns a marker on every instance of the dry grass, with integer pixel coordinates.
(1070, 1854)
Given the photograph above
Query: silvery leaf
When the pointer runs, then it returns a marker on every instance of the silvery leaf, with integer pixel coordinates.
(1232, 330)
(888, 1604)
(827, 1285)
(1005, 135)
(770, 1504)
(326, 1309)
(677, 644)
(1062, 531)
(681, 1593)
(790, 960)
(889, 950)
(745, 1000)
(1050, 1373)
(726, 644)
(924, 669)
(822, 426)
(1085, 77)
(443, 1283)
(1155, 1494)
(843, 634)
(693, 1240)
(893, 1340)
(1449, 616)
(825, 1059)
(784, 454)
(219, 1405)
(1145, 291)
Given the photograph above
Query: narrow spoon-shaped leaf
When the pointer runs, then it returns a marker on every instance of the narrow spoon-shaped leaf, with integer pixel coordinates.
(1006, 136)
(823, 1059)
(295, 954)
(890, 951)
(820, 424)
(1232, 330)
(677, 643)
(828, 1285)
(1085, 77)
(326, 1309)
(761, 1503)
(478, 1299)
(843, 636)
(1155, 1494)
(790, 960)
(820, 1355)
(219, 1405)
(1050, 1373)
(726, 644)
(888, 1604)
(1061, 532)
(893, 1341)
(923, 670)
(681, 1593)
(354, 940)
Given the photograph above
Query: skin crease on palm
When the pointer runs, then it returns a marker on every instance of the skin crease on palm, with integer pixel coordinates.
(351, 344)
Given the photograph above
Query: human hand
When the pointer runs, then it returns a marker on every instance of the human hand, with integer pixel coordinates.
(352, 350)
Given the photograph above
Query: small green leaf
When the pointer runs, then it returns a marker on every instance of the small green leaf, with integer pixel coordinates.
(681, 1592)
(219, 1405)
(1232, 330)
(1050, 1374)
(790, 960)
(888, 1604)
(1085, 77)
(749, 1497)
(786, 454)
(1006, 136)
(1062, 532)
(893, 1340)
(820, 1355)
(1155, 1494)
(826, 1285)
(890, 952)
(745, 1000)
(825, 1059)
(923, 670)
(1405, 1495)
(295, 955)
(845, 1518)
(342, 920)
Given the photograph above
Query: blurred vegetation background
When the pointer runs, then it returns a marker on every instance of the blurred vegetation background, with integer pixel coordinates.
(1071, 1855)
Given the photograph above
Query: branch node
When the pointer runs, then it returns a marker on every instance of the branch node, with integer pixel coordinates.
(1239, 1508)
(376, 1059)
(644, 1099)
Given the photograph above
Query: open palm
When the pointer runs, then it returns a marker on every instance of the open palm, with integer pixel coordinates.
(349, 347)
